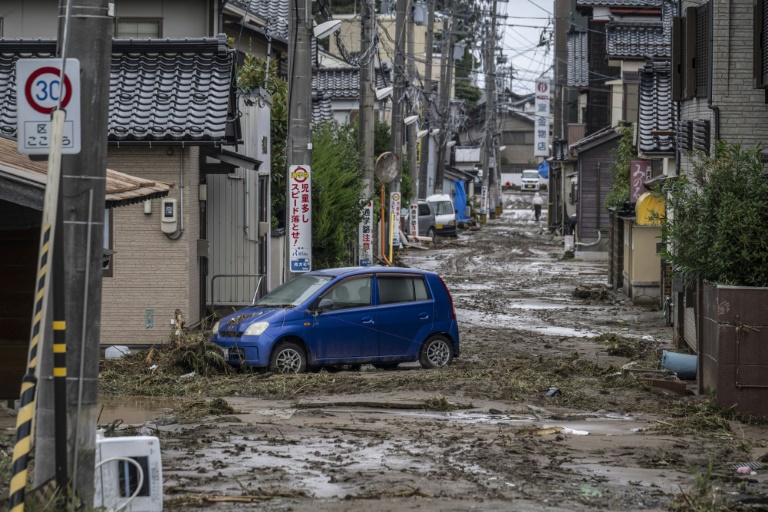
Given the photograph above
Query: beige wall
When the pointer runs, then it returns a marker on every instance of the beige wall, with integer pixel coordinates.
(646, 263)
(150, 271)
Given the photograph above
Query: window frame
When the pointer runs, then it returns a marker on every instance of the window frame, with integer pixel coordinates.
(109, 242)
(130, 19)
(412, 278)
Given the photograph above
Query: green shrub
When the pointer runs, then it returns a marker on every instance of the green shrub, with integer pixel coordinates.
(716, 230)
(622, 160)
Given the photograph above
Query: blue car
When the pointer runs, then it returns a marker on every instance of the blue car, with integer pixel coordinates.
(378, 315)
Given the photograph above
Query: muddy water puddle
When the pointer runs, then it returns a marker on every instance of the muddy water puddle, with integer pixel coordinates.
(133, 410)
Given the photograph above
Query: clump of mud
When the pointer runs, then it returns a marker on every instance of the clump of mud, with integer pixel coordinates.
(596, 292)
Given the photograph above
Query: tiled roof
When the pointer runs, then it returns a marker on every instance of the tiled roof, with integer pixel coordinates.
(274, 12)
(608, 132)
(657, 110)
(636, 39)
(330, 84)
(122, 189)
(160, 89)
(578, 64)
(619, 3)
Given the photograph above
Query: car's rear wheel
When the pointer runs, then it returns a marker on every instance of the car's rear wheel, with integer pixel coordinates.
(436, 352)
(288, 357)
(385, 366)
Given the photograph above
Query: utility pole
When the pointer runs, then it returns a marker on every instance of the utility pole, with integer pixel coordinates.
(83, 191)
(398, 92)
(427, 98)
(299, 107)
(490, 117)
(446, 72)
(365, 118)
(411, 129)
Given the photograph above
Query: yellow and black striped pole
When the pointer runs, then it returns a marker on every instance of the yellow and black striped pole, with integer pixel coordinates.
(24, 420)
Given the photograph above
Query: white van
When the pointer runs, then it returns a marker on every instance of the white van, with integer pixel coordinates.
(445, 214)
(530, 180)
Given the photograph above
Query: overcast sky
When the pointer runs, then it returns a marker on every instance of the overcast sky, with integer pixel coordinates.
(523, 27)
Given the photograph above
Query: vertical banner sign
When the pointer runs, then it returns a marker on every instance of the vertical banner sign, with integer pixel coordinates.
(484, 200)
(541, 128)
(300, 244)
(365, 236)
(641, 171)
(413, 216)
(394, 207)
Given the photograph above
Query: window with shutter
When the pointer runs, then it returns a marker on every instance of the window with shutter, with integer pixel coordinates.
(677, 58)
(760, 43)
(701, 59)
(689, 66)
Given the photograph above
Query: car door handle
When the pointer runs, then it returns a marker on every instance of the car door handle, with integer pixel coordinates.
(367, 320)
(423, 316)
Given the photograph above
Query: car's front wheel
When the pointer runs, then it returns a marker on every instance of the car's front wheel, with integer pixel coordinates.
(288, 357)
(436, 352)
(431, 233)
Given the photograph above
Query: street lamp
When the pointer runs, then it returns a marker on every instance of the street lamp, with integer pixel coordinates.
(410, 120)
(435, 132)
(450, 143)
(421, 133)
(384, 92)
(324, 30)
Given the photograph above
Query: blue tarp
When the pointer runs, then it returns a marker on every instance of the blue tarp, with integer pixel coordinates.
(544, 170)
(460, 201)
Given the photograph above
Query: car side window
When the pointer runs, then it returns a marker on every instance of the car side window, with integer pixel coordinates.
(424, 209)
(394, 289)
(351, 293)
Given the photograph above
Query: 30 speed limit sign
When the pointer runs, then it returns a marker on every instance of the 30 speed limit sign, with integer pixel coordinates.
(39, 89)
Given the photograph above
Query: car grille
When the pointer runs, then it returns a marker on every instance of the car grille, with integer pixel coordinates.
(230, 334)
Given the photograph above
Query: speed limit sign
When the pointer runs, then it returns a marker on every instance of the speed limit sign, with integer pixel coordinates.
(39, 89)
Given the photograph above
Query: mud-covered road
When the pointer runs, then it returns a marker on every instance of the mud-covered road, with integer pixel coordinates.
(536, 414)
(482, 434)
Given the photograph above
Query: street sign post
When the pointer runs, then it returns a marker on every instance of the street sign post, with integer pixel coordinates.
(38, 89)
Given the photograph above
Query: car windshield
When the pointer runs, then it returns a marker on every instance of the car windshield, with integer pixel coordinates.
(530, 175)
(294, 292)
(443, 208)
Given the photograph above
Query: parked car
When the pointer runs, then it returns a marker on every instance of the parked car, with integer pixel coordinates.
(445, 214)
(378, 315)
(426, 219)
(530, 180)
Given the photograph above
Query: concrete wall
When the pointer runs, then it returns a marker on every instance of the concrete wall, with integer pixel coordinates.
(29, 18)
(151, 271)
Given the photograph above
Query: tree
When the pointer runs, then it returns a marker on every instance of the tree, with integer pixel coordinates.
(251, 75)
(336, 194)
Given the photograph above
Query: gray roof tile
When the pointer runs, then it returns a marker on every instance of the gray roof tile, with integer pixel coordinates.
(637, 39)
(336, 84)
(274, 12)
(657, 110)
(578, 63)
(160, 90)
(619, 3)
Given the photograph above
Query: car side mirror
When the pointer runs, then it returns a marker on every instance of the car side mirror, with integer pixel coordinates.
(323, 305)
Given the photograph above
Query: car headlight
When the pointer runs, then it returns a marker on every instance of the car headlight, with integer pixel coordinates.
(215, 328)
(256, 329)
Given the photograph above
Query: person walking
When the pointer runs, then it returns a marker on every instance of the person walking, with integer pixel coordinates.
(537, 202)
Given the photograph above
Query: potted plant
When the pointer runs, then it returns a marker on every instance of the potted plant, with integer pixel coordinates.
(716, 238)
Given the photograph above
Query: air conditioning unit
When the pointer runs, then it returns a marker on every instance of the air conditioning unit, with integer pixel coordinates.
(129, 474)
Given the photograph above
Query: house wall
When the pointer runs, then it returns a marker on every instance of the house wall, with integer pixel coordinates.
(181, 18)
(151, 271)
(516, 153)
(743, 112)
(39, 18)
(29, 18)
